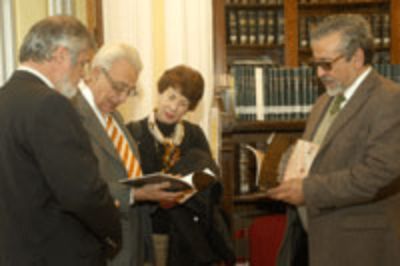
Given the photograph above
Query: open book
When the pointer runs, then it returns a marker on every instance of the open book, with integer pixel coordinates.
(189, 184)
(193, 181)
(259, 158)
(300, 159)
(266, 161)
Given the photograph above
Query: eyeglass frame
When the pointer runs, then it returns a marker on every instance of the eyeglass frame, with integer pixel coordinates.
(326, 65)
(118, 86)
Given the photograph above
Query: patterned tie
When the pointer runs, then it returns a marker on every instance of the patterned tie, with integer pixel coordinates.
(132, 165)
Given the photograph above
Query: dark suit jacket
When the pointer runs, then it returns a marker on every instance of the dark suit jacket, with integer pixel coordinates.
(135, 220)
(353, 190)
(54, 208)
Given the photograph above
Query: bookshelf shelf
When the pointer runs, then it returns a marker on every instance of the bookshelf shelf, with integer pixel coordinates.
(244, 127)
(254, 52)
(251, 197)
(329, 8)
(305, 52)
(368, 7)
(235, 48)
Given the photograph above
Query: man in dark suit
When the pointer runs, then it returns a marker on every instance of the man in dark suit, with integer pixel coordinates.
(54, 208)
(352, 191)
(111, 79)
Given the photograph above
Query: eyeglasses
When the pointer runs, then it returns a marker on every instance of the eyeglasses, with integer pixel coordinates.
(326, 65)
(119, 87)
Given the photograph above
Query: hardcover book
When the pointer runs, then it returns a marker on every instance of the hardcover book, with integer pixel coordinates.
(194, 181)
(301, 159)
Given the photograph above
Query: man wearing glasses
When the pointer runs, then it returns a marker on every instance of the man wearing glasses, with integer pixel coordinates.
(111, 80)
(352, 191)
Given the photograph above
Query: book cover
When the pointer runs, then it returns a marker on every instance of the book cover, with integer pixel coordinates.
(301, 159)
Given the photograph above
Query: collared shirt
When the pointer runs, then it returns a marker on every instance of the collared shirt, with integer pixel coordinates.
(37, 74)
(349, 92)
(88, 95)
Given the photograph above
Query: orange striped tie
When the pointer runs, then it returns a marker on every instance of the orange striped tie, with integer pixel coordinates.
(132, 165)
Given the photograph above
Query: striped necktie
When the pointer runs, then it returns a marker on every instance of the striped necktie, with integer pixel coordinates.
(121, 145)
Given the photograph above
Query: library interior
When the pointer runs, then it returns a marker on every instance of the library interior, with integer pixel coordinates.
(261, 85)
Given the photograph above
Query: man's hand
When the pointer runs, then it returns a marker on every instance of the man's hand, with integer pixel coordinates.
(290, 191)
(157, 193)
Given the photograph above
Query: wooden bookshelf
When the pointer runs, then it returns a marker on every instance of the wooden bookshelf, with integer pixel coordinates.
(293, 11)
(253, 133)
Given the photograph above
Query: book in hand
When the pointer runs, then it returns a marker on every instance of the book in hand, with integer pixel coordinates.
(267, 161)
(301, 159)
(194, 181)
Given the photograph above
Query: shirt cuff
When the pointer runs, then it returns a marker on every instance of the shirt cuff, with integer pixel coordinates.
(132, 197)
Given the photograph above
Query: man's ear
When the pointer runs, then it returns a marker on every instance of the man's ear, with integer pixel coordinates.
(93, 74)
(359, 58)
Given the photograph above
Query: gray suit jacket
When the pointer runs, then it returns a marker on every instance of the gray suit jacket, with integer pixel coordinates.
(135, 220)
(353, 190)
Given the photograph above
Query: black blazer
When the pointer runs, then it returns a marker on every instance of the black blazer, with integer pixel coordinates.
(54, 209)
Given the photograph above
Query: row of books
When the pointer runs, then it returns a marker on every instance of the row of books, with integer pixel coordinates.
(382, 57)
(380, 26)
(255, 27)
(266, 27)
(389, 71)
(266, 92)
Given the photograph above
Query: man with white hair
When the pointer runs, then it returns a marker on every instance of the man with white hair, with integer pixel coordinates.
(111, 80)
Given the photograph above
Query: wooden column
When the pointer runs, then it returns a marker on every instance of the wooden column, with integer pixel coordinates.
(94, 10)
(291, 33)
(219, 35)
(395, 32)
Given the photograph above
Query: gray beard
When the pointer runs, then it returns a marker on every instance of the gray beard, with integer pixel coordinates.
(335, 91)
(65, 87)
(68, 92)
